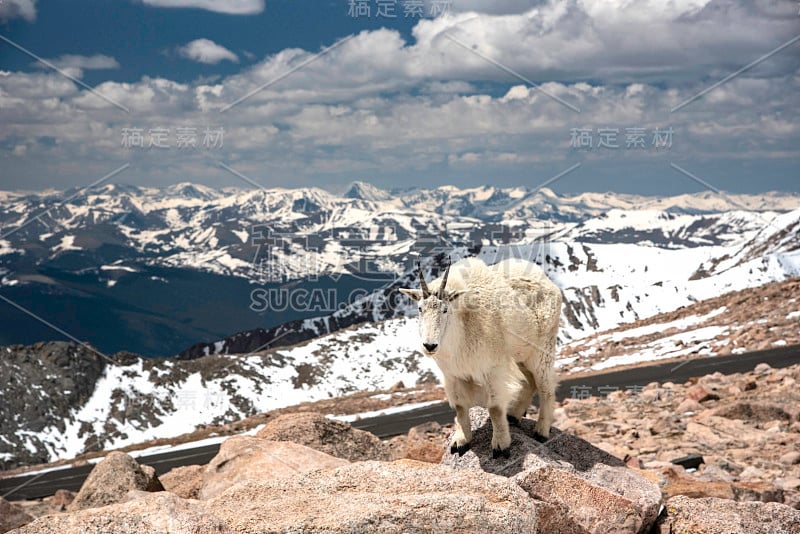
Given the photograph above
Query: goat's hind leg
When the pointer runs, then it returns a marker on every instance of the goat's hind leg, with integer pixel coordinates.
(546, 383)
(501, 436)
(503, 391)
(520, 406)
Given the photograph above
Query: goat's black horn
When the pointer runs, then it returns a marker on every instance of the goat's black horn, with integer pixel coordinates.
(422, 283)
(444, 280)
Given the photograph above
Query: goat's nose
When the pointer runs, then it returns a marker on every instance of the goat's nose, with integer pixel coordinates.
(430, 347)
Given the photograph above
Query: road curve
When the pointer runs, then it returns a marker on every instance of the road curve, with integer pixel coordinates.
(36, 486)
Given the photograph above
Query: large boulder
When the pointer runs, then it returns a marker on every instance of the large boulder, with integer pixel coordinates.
(390, 497)
(12, 516)
(593, 491)
(722, 516)
(330, 436)
(112, 479)
(184, 481)
(425, 442)
(61, 499)
(247, 458)
(153, 513)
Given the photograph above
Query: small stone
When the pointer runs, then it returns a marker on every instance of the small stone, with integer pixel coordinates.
(61, 499)
(762, 368)
(633, 461)
(712, 473)
(689, 405)
(649, 396)
(618, 395)
(790, 458)
(661, 426)
(751, 473)
(658, 465)
(700, 393)
(733, 391)
(788, 484)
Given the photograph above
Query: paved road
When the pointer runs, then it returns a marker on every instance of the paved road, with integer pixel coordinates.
(42, 485)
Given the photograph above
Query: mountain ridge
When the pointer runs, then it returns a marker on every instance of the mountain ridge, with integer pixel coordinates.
(138, 252)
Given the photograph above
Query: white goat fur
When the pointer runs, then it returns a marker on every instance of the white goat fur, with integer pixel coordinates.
(497, 347)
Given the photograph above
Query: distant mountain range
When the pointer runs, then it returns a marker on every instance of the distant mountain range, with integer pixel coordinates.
(172, 271)
(179, 270)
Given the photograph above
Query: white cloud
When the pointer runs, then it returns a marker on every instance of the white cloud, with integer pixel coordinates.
(75, 61)
(229, 7)
(379, 105)
(11, 9)
(207, 51)
(678, 44)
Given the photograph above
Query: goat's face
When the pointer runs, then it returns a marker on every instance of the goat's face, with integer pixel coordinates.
(433, 312)
(433, 318)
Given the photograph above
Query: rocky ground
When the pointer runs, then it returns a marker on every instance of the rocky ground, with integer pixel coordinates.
(609, 467)
(743, 430)
(746, 428)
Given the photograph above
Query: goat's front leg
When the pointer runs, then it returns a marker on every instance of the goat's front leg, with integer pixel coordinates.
(501, 437)
(463, 433)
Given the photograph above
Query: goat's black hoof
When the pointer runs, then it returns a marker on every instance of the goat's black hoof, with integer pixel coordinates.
(512, 420)
(505, 453)
(540, 438)
(460, 449)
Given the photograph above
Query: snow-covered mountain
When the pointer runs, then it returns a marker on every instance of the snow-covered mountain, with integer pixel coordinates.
(61, 399)
(613, 269)
(156, 270)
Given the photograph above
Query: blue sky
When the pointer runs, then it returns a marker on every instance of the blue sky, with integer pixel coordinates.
(144, 38)
(487, 92)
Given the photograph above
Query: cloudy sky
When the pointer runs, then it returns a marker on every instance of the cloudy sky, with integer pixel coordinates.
(642, 96)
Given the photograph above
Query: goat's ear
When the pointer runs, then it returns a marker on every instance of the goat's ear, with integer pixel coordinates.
(414, 294)
(450, 296)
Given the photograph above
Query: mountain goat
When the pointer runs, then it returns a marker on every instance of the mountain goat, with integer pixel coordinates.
(492, 331)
